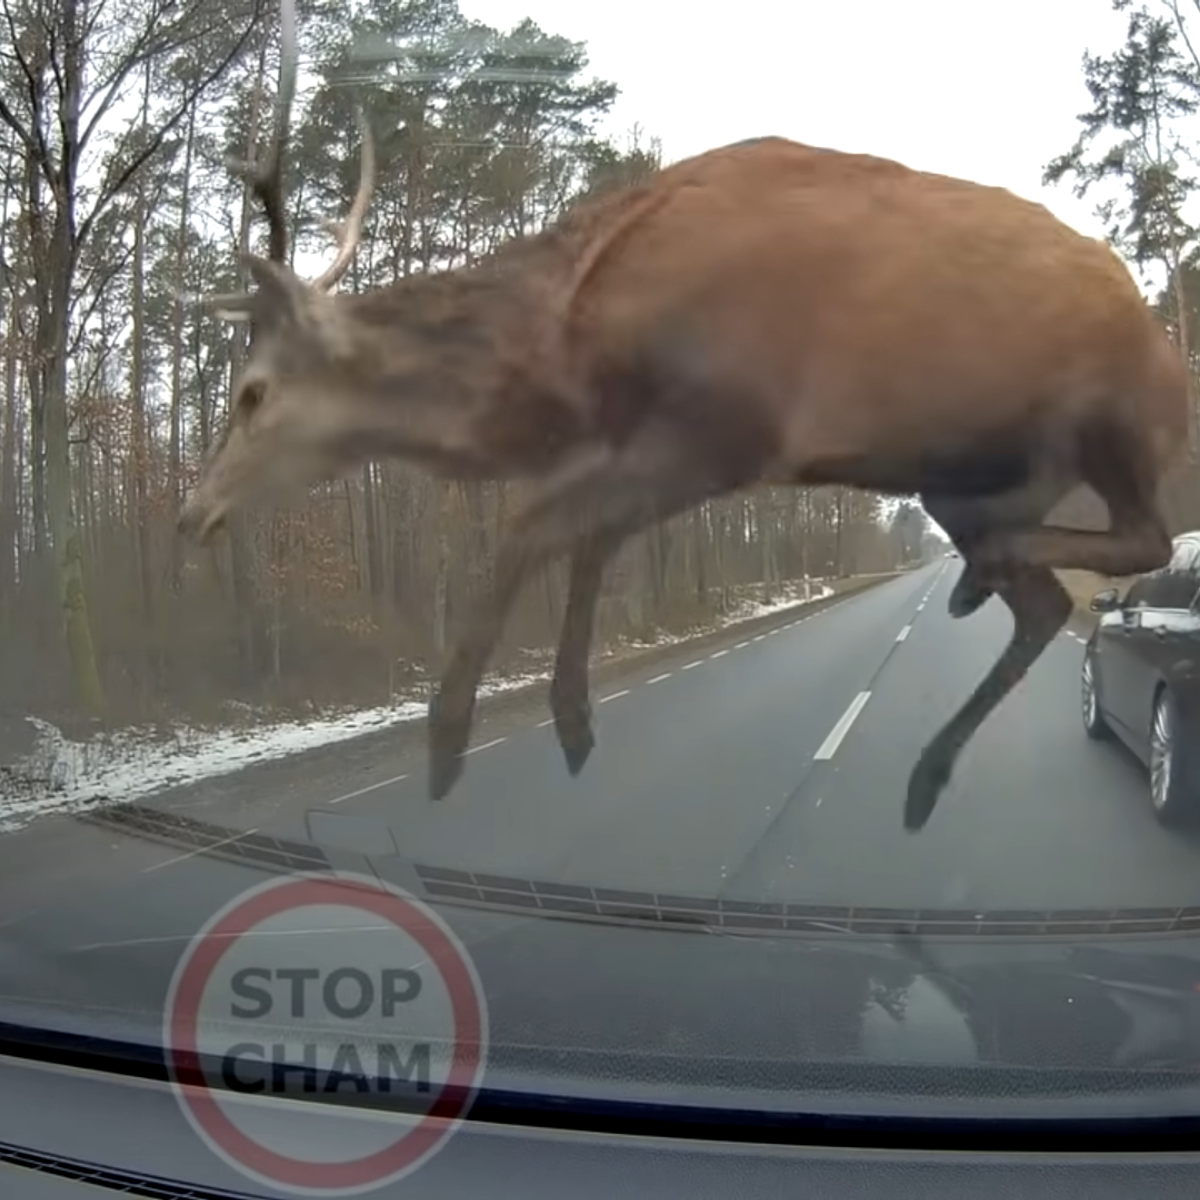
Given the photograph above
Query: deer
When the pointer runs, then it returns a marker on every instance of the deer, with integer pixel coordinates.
(762, 313)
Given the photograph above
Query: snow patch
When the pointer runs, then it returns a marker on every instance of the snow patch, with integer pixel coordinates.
(789, 595)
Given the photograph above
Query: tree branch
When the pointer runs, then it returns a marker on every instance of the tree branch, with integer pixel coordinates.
(148, 46)
(33, 137)
(113, 186)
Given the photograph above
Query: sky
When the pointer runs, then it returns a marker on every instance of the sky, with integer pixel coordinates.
(984, 91)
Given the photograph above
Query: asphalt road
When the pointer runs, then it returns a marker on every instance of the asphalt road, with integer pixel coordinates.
(776, 769)
(769, 768)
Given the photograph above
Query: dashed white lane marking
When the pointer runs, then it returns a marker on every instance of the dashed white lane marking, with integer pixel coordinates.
(485, 746)
(719, 654)
(904, 632)
(659, 678)
(614, 696)
(547, 721)
(760, 637)
(741, 645)
(203, 850)
(692, 665)
(830, 745)
(371, 787)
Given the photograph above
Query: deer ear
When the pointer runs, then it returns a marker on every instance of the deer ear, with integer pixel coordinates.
(281, 294)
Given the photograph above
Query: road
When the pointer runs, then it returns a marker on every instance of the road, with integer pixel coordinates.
(771, 768)
(775, 769)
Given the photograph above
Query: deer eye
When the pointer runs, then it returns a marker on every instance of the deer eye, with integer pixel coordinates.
(249, 400)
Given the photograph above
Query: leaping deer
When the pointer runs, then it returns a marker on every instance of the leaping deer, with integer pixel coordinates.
(765, 312)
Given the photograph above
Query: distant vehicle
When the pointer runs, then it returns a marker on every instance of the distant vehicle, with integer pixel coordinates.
(1141, 677)
(953, 554)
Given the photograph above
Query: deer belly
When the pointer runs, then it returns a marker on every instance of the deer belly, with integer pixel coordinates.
(965, 473)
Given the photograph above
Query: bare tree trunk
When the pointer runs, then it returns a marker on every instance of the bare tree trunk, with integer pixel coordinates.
(245, 605)
(374, 555)
(175, 452)
(139, 462)
(10, 337)
(9, 527)
(54, 328)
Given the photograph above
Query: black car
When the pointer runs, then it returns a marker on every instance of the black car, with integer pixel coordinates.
(1141, 676)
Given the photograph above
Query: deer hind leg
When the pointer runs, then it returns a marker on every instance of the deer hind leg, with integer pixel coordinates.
(605, 496)
(1040, 607)
(970, 591)
(1118, 468)
(968, 520)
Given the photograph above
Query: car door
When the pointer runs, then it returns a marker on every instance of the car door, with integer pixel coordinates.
(1156, 638)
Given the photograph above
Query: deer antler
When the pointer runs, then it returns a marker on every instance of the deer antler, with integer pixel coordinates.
(349, 232)
(266, 180)
(267, 185)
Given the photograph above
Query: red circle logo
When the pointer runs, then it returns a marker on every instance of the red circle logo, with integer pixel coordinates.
(325, 986)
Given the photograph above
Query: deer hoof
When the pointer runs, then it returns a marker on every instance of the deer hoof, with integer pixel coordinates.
(577, 742)
(572, 720)
(573, 724)
(929, 777)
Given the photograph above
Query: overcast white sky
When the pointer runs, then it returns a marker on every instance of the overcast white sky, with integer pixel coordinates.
(988, 91)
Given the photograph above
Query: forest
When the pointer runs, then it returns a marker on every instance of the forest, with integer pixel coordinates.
(117, 118)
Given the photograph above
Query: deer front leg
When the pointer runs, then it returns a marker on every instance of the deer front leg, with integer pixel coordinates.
(569, 688)
(1040, 607)
(601, 499)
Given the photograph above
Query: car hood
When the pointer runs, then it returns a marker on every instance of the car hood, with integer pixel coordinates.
(628, 997)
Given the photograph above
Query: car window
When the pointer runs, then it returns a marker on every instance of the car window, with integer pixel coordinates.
(1178, 583)
(1142, 590)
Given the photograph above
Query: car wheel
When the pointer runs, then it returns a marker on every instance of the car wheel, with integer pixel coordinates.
(1093, 719)
(1168, 774)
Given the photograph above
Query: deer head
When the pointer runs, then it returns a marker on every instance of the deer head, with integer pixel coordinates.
(272, 441)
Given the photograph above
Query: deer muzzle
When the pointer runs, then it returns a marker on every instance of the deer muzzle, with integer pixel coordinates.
(200, 521)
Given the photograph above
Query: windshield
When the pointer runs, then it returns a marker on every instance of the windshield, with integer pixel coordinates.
(602, 551)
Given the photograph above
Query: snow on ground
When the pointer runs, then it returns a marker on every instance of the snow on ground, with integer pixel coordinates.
(63, 776)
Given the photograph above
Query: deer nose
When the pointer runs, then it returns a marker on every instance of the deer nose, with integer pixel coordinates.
(198, 522)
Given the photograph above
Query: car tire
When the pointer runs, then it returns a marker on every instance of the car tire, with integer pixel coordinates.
(1094, 723)
(1170, 793)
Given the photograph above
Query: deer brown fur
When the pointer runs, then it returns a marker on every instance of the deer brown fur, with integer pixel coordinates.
(765, 312)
